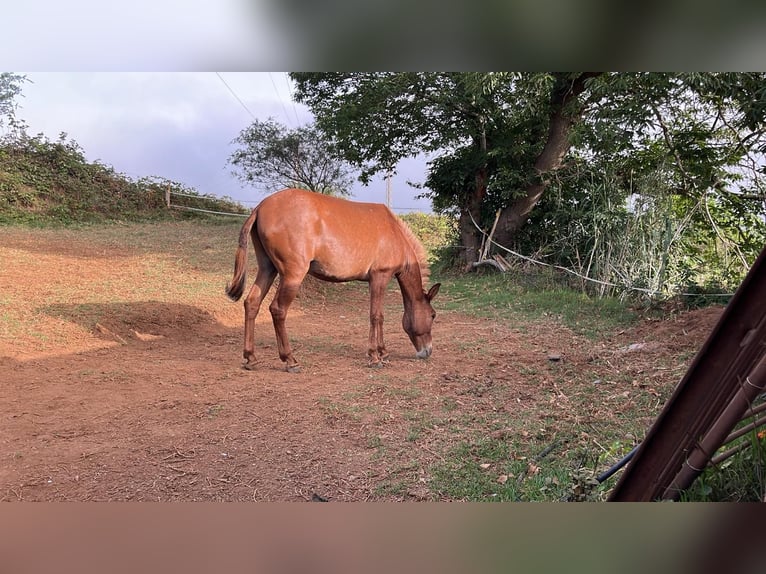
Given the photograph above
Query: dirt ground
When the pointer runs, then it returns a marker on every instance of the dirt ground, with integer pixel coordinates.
(128, 398)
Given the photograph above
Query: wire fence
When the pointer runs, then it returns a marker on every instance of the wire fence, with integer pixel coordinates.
(240, 201)
(171, 205)
(200, 210)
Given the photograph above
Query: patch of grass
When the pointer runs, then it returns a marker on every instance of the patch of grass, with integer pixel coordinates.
(391, 488)
(506, 462)
(214, 410)
(473, 470)
(463, 478)
(419, 423)
(335, 411)
(507, 296)
(399, 479)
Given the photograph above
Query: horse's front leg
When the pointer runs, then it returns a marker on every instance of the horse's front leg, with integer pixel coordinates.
(377, 348)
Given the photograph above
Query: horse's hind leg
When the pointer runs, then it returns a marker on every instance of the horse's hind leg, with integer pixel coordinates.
(286, 292)
(266, 275)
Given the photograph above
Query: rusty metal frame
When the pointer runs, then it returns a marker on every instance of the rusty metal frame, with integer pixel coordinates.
(724, 378)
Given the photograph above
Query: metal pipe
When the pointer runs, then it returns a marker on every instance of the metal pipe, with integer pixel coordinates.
(744, 430)
(625, 460)
(733, 348)
(718, 459)
(699, 457)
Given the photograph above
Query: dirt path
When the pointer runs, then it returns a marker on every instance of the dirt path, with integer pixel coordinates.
(145, 399)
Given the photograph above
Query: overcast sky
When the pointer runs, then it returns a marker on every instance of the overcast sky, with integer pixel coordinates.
(179, 125)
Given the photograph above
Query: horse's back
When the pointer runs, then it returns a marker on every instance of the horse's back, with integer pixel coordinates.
(338, 239)
(297, 200)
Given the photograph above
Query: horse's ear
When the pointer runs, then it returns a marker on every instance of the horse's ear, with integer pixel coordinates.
(433, 291)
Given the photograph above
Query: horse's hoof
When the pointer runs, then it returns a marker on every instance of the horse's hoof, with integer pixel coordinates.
(249, 366)
(376, 364)
(293, 368)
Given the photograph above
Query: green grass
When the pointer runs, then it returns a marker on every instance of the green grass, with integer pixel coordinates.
(488, 469)
(740, 478)
(550, 452)
(511, 297)
(493, 453)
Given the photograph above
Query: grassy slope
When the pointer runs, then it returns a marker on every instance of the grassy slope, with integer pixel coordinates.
(51, 183)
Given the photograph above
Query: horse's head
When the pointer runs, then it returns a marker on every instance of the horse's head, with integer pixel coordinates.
(417, 321)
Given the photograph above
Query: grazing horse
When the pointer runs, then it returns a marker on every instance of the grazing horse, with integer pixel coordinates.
(296, 232)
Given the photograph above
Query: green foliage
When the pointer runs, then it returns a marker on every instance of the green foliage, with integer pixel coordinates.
(434, 231)
(10, 89)
(376, 119)
(739, 478)
(52, 182)
(271, 155)
(662, 190)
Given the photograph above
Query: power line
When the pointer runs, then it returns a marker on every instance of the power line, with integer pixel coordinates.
(233, 93)
(281, 101)
(292, 99)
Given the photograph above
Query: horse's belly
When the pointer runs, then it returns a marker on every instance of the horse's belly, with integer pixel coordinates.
(336, 273)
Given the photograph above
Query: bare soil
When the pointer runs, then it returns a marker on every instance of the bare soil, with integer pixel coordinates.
(121, 379)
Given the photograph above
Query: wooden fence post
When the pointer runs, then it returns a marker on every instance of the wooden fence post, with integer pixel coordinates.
(167, 195)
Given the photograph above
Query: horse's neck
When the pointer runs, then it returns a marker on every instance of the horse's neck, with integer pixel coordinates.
(411, 285)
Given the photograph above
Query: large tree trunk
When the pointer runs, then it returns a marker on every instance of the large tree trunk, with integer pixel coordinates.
(564, 112)
(470, 239)
(470, 216)
(470, 212)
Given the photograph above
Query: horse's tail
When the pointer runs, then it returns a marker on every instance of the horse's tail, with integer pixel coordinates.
(236, 286)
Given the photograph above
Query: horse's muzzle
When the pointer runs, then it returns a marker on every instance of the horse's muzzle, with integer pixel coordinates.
(424, 353)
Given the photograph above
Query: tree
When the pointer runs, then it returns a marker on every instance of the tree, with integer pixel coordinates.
(275, 157)
(10, 89)
(663, 187)
(563, 111)
(473, 119)
(504, 140)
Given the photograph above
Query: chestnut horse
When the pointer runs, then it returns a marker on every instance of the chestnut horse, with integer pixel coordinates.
(296, 232)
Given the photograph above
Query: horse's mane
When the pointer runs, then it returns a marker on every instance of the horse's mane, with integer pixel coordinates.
(417, 248)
